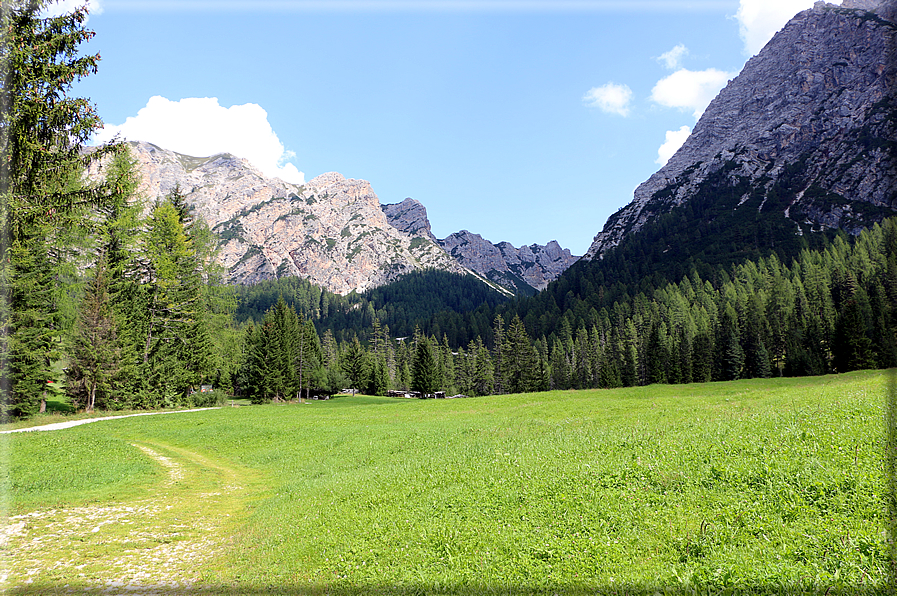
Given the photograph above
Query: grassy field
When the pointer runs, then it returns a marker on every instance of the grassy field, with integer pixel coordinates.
(759, 487)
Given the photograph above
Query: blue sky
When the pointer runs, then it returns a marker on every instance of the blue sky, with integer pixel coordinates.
(522, 121)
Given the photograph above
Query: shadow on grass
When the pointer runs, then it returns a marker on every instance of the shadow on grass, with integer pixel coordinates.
(467, 589)
(59, 407)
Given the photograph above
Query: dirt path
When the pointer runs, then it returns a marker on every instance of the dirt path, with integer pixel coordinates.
(160, 544)
(71, 423)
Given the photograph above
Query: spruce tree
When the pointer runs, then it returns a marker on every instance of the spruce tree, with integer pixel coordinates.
(42, 196)
(447, 371)
(32, 327)
(284, 349)
(498, 339)
(308, 357)
(852, 346)
(656, 355)
(261, 376)
(731, 358)
(329, 352)
(560, 367)
(424, 370)
(354, 364)
(483, 376)
(520, 364)
(378, 381)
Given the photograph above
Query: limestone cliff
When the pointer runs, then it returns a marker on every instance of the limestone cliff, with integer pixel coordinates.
(330, 231)
(534, 265)
(806, 133)
(518, 269)
(410, 217)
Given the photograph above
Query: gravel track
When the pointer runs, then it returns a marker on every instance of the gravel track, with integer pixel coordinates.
(71, 423)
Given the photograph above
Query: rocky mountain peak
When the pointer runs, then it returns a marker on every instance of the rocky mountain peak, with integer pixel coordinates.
(330, 231)
(524, 269)
(806, 129)
(534, 266)
(409, 216)
(860, 4)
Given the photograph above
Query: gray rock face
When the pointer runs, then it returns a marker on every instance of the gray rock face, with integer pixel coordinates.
(815, 108)
(409, 217)
(862, 4)
(502, 263)
(534, 266)
(330, 231)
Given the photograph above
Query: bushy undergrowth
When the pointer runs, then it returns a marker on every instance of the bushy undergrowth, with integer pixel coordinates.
(208, 399)
(774, 486)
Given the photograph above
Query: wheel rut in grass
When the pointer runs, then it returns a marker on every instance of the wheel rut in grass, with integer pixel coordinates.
(159, 544)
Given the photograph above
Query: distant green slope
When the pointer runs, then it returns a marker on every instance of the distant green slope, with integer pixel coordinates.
(414, 299)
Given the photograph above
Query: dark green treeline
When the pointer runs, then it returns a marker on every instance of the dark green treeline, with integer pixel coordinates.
(831, 310)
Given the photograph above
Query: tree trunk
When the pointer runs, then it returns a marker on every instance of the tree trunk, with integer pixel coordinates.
(91, 398)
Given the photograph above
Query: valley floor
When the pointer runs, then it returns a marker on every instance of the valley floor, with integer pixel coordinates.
(754, 487)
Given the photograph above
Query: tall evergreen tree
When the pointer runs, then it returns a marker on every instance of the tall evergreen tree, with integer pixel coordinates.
(658, 358)
(446, 366)
(520, 363)
(354, 364)
(308, 358)
(424, 370)
(702, 357)
(484, 368)
(378, 379)
(330, 355)
(96, 354)
(498, 339)
(176, 345)
(852, 345)
(731, 358)
(260, 375)
(42, 196)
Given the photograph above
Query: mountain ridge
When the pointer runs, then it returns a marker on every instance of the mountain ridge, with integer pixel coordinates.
(332, 230)
(522, 270)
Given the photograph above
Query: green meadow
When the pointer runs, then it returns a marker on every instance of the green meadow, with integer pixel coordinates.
(748, 487)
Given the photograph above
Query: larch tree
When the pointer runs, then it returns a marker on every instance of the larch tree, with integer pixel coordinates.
(95, 358)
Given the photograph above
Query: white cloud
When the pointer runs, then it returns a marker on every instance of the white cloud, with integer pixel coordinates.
(198, 126)
(673, 59)
(675, 139)
(61, 7)
(759, 20)
(612, 98)
(690, 89)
